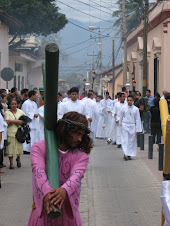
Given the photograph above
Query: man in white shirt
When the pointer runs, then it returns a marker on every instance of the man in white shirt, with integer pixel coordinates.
(30, 109)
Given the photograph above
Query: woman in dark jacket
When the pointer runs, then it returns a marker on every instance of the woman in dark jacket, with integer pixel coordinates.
(156, 121)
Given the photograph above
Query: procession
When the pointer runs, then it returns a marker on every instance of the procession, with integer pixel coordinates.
(84, 113)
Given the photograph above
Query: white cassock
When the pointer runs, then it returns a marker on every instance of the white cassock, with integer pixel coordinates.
(30, 108)
(114, 102)
(40, 130)
(165, 199)
(59, 110)
(84, 99)
(105, 119)
(117, 109)
(131, 123)
(65, 99)
(3, 126)
(96, 116)
(90, 108)
(77, 106)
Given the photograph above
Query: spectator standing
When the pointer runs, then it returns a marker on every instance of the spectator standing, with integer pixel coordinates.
(24, 94)
(15, 148)
(147, 113)
(155, 121)
(39, 99)
(30, 109)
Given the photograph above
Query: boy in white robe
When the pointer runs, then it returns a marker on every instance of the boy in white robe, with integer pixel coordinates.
(131, 126)
(117, 109)
(29, 107)
(74, 104)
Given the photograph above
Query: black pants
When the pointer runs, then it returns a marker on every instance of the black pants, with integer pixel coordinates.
(156, 133)
(1, 156)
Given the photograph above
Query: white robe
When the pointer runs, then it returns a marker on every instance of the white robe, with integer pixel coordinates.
(96, 116)
(66, 99)
(90, 109)
(40, 130)
(131, 123)
(105, 119)
(165, 199)
(30, 108)
(117, 109)
(77, 106)
(59, 110)
(3, 126)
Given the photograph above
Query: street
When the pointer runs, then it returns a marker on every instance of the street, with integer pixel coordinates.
(114, 191)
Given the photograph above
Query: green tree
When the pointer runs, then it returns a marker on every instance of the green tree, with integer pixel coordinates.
(74, 79)
(37, 16)
(134, 13)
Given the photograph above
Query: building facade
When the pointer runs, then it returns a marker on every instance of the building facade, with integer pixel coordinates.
(158, 54)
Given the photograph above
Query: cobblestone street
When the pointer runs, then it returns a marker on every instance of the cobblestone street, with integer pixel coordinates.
(114, 192)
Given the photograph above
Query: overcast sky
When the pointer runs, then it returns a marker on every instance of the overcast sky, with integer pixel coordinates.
(104, 9)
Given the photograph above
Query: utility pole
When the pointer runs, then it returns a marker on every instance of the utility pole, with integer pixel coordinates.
(145, 41)
(113, 64)
(124, 38)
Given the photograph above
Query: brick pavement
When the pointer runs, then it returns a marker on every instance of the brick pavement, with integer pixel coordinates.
(114, 192)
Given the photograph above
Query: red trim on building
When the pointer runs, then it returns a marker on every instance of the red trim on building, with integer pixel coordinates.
(165, 14)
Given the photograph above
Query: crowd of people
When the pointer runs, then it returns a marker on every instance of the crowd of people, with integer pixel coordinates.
(118, 121)
(80, 120)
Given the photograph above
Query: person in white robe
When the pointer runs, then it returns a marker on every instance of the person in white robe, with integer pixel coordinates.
(131, 125)
(113, 133)
(97, 112)
(104, 124)
(117, 109)
(165, 199)
(29, 107)
(66, 98)
(74, 104)
(40, 130)
(90, 108)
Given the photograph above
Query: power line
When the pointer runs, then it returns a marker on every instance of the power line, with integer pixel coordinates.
(84, 12)
(93, 7)
(101, 5)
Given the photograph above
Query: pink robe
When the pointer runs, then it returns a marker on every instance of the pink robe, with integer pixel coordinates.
(72, 166)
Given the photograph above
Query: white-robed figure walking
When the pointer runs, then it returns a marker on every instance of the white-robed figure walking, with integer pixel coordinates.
(90, 108)
(40, 130)
(29, 107)
(131, 126)
(165, 199)
(117, 110)
(104, 124)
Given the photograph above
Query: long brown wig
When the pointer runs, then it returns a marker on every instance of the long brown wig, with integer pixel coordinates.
(65, 129)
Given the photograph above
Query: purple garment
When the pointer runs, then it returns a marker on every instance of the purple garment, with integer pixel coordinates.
(72, 166)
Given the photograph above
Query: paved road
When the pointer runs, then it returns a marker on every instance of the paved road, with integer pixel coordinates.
(114, 192)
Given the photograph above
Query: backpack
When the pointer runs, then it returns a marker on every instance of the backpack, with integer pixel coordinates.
(146, 104)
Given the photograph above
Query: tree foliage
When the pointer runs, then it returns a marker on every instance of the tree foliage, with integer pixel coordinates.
(37, 16)
(134, 12)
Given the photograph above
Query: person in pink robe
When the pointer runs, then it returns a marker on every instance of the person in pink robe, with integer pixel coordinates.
(73, 160)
